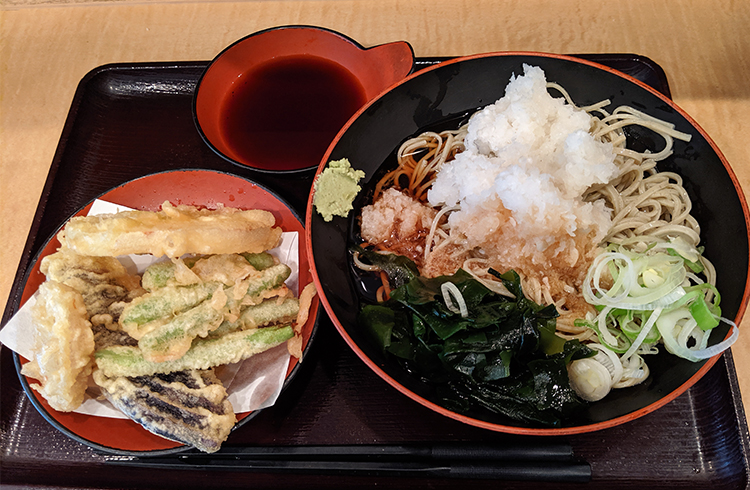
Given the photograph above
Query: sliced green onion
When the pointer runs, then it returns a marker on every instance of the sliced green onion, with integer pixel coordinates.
(695, 266)
(611, 338)
(702, 314)
(648, 288)
(678, 328)
(449, 289)
(645, 330)
(627, 290)
(632, 322)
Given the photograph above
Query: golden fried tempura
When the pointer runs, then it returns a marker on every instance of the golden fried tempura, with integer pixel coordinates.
(101, 280)
(228, 269)
(106, 287)
(188, 406)
(294, 345)
(63, 346)
(173, 231)
(305, 301)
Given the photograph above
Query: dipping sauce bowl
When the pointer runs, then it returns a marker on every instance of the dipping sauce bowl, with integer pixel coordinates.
(274, 100)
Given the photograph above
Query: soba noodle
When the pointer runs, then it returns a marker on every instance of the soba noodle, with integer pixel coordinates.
(645, 205)
(433, 150)
(644, 202)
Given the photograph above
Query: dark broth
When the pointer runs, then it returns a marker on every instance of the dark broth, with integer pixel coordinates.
(287, 111)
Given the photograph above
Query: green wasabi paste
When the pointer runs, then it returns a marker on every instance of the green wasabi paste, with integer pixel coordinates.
(335, 189)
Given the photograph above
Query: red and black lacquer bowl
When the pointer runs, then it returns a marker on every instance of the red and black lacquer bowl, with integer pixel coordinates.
(202, 188)
(439, 97)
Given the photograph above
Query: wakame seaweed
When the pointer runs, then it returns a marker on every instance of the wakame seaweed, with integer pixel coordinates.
(503, 357)
(399, 269)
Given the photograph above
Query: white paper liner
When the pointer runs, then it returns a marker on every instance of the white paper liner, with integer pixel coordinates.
(252, 384)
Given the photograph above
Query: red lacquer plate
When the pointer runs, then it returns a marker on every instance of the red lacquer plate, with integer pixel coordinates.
(203, 188)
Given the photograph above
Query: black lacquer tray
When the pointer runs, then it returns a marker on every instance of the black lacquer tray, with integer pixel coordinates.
(129, 120)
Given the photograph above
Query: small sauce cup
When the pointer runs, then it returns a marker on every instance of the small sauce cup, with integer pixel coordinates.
(274, 100)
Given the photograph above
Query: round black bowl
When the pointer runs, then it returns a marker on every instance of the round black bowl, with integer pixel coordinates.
(439, 98)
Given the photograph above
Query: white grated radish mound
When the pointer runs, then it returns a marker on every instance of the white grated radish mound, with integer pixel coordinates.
(531, 155)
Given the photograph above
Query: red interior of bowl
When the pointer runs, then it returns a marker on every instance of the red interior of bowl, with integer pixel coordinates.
(375, 68)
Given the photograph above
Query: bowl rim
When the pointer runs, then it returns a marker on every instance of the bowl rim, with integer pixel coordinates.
(708, 364)
(194, 101)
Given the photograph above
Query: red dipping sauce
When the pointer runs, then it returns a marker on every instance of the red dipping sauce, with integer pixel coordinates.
(283, 114)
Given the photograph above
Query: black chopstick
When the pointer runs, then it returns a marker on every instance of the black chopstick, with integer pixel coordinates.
(526, 451)
(517, 470)
(516, 461)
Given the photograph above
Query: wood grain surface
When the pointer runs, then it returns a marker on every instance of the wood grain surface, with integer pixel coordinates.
(46, 48)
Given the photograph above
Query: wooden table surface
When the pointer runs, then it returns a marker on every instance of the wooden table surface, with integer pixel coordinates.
(47, 47)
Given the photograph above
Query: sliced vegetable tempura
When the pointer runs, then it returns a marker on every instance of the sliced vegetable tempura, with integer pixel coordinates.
(64, 345)
(173, 231)
(214, 294)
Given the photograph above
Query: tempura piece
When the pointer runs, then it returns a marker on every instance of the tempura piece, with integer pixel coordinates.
(271, 311)
(103, 282)
(171, 340)
(294, 345)
(260, 261)
(152, 310)
(225, 268)
(203, 354)
(174, 231)
(305, 301)
(63, 346)
(228, 269)
(190, 406)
